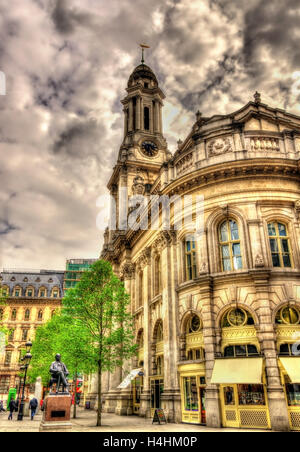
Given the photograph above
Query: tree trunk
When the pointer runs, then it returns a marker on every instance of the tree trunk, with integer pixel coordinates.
(99, 394)
(75, 386)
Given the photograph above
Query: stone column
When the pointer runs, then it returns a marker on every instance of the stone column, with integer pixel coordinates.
(125, 121)
(138, 113)
(160, 119)
(213, 413)
(156, 116)
(267, 338)
(171, 394)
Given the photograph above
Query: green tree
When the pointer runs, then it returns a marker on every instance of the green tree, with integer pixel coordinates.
(99, 301)
(69, 337)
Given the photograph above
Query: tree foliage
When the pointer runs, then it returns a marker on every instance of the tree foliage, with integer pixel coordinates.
(100, 303)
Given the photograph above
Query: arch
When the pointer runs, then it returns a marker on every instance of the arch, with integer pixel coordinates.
(27, 314)
(229, 306)
(17, 291)
(185, 319)
(294, 304)
(42, 290)
(29, 292)
(40, 315)
(140, 337)
(55, 292)
(212, 227)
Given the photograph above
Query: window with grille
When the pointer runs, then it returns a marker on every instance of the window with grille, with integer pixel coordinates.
(280, 245)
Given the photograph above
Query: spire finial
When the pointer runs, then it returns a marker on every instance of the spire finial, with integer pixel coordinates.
(143, 46)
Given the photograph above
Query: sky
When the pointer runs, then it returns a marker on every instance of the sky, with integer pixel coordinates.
(67, 63)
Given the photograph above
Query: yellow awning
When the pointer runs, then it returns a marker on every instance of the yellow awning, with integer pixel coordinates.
(292, 366)
(238, 371)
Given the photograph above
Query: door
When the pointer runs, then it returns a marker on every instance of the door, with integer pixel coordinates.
(156, 389)
(202, 405)
(229, 406)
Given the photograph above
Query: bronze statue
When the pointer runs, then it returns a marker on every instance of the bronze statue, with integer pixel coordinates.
(59, 372)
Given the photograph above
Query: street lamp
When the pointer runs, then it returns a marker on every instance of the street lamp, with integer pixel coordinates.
(26, 359)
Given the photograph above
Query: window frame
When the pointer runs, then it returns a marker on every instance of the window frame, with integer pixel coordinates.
(192, 269)
(230, 242)
(278, 239)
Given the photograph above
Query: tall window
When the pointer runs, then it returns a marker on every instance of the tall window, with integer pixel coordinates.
(146, 118)
(24, 335)
(230, 246)
(159, 333)
(8, 358)
(190, 259)
(280, 245)
(1, 314)
(13, 314)
(40, 315)
(141, 288)
(157, 276)
(27, 314)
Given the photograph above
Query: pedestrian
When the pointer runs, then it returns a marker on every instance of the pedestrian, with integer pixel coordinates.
(12, 407)
(33, 406)
(1, 406)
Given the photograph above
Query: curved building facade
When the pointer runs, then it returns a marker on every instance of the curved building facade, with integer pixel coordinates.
(216, 306)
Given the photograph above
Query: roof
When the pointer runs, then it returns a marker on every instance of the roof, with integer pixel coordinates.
(142, 71)
(44, 278)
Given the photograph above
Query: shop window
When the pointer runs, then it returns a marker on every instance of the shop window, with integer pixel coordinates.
(289, 349)
(230, 246)
(236, 318)
(190, 259)
(293, 394)
(190, 394)
(238, 351)
(288, 316)
(13, 314)
(251, 395)
(279, 245)
(229, 395)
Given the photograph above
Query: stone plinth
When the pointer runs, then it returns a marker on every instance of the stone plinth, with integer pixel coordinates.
(57, 413)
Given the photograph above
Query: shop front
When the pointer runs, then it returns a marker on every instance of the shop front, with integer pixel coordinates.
(290, 375)
(243, 392)
(192, 389)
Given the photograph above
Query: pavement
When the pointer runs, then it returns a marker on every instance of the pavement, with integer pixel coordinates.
(86, 422)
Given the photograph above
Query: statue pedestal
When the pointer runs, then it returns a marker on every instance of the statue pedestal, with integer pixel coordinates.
(57, 413)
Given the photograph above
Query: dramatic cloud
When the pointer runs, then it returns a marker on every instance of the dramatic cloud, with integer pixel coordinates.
(67, 63)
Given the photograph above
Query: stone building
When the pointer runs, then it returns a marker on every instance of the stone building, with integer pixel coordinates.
(31, 300)
(217, 313)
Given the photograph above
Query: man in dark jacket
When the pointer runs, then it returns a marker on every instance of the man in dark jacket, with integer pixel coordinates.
(12, 407)
(33, 406)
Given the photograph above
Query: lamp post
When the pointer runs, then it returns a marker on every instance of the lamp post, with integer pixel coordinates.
(26, 359)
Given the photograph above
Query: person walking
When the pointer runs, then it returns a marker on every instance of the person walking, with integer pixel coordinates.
(33, 406)
(12, 408)
(1, 406)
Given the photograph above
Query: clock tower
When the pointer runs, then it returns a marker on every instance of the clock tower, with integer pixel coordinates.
(144, 149)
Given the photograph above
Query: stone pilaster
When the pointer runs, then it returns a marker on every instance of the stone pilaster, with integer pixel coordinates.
(267, 338)
(213, 413)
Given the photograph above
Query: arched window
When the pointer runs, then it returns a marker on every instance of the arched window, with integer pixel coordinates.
(159, 333)
(4, 291)
(190, 258)
(40, 315)
(55, 292)
(146, 118)
(27, 314)
(1, 314)
(279, 245)
(42, 292)
(17, 292)
(288, 315)
(141, 288)
(194, 324)
(230, 246)
(13, 314)
(237, 317)
(157, 275)
(29, 292)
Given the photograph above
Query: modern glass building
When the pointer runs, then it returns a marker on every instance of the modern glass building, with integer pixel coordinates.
(74, 270)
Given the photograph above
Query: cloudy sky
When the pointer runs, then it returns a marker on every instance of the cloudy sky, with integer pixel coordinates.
(67, 63)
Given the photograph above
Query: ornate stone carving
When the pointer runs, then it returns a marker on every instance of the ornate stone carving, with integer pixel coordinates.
(259, 261)
(138, 187)
(204, 268)
(219, 146)
(297, 209)
(128, 270)
(257, 97)
(184, 164)
(265, 144)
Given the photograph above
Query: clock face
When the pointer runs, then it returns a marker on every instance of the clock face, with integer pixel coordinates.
(149, 148)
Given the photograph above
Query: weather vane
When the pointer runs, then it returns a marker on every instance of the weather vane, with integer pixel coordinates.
(143, 46)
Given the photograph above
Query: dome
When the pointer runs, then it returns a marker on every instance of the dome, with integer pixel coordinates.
(142, 71)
